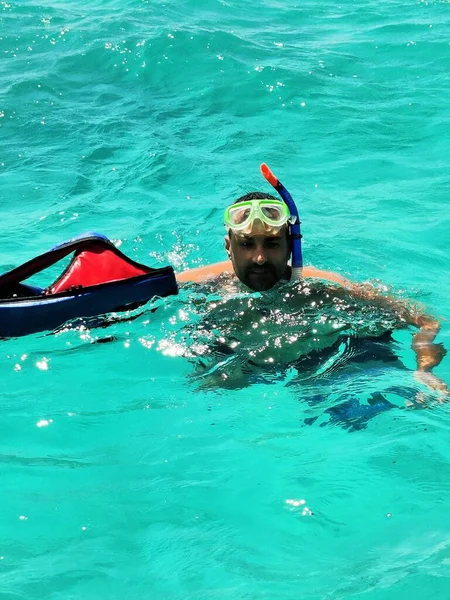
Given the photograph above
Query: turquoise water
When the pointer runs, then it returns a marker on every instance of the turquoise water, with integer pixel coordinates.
(123, 475)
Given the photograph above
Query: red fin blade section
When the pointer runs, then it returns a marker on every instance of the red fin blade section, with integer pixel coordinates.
(94, 266)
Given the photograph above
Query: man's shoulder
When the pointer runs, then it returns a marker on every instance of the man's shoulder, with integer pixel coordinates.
(201, 274)
(313, 273)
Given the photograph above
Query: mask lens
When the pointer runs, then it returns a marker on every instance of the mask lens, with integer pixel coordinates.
(240, 215)
(273, 214)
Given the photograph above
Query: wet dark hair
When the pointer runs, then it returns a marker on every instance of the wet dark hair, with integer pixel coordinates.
(255, 196)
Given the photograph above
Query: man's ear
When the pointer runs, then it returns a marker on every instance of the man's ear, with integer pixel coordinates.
(228, 245)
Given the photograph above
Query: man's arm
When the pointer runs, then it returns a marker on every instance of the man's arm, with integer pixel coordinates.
(428, 354)
(204, 273)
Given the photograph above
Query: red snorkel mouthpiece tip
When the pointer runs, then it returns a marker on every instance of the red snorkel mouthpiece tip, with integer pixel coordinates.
(267, 173)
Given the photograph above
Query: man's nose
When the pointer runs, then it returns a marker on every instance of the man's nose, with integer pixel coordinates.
(260, 256)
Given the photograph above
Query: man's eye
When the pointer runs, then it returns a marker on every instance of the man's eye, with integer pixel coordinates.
(245, 244)
(273, 243)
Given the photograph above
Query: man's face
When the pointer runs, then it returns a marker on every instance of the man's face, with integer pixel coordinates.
(259, 259)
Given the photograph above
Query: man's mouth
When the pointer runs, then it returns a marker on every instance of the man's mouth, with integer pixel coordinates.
(265, 272)
(262, 271)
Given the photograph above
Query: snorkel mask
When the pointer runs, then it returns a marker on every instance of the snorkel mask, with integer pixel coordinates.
(272, 215)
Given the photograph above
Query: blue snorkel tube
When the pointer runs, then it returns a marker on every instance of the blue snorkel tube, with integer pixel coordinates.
(297, 258)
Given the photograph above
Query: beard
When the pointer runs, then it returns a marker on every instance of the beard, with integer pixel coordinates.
(260, 278)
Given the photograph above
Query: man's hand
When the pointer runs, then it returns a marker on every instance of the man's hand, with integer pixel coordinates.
(434, 383)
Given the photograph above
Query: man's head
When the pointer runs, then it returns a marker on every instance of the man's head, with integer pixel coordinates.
(259, 253)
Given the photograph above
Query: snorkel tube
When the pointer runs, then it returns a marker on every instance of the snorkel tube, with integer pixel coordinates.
(297, 259)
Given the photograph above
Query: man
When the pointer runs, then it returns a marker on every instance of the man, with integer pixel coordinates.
(259, 245)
